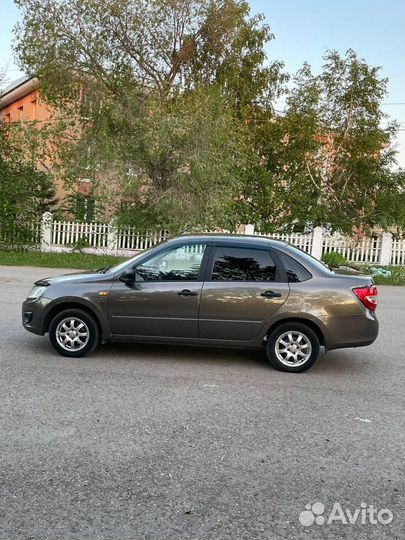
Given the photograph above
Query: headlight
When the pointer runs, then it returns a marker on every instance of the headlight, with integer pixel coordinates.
(36, 291)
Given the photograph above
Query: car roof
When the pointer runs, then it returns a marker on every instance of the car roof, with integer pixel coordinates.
(232, 238)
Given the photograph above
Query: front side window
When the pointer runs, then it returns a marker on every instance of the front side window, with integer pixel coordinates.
(240, 264)
(179, 264)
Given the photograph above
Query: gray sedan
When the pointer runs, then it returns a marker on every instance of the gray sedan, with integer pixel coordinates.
(209, 289)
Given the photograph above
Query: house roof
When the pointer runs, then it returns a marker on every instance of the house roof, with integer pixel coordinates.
(18, 89)
(15, 84)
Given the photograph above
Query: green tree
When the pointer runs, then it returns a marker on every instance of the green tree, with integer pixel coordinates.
(158, 92)
(174, 164)
(166, 46)
(25, 192)
(328, 160)
(169, 103)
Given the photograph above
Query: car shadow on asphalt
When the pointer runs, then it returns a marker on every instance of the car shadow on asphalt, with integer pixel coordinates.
(180, 353)
(335, 362)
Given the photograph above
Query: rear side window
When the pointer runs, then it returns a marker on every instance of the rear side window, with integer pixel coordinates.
(240, 264)
(294, 270)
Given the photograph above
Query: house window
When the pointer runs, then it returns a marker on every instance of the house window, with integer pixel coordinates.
(33, 109)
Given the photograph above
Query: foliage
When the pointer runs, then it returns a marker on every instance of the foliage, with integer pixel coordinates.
(397, 276)
(77, 260)
(25, 192)
(78, 207)
(166, 46)
(390, 203)
(168, 109)
(327, 161)
(335, 259)
(173, 164)
(156, 95)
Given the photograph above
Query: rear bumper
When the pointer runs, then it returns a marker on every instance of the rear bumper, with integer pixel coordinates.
(352, 331)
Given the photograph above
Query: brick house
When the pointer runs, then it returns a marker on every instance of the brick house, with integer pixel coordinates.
(21, 101)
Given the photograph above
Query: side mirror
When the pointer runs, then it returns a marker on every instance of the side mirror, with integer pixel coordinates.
(128, 276)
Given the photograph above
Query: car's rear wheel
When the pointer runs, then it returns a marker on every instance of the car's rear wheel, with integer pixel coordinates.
(73, 333)
(292, 347)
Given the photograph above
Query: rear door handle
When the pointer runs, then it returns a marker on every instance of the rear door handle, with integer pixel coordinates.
(270, 294)
(187, 292)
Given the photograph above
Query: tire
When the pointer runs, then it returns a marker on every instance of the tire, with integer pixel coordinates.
(281, 352)
(81, 336)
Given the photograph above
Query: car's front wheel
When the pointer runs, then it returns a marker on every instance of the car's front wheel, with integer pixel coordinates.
(292, 347)
(73, 333)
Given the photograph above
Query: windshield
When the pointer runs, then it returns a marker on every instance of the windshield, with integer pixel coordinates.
(121, 266)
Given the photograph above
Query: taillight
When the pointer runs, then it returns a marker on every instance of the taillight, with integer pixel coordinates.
(368, 296)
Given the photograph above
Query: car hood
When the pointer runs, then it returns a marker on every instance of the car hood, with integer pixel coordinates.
(78, 277)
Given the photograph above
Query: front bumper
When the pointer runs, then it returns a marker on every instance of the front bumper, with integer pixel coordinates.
(33, 315)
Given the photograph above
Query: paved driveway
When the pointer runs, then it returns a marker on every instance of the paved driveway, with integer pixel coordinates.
(156, 442)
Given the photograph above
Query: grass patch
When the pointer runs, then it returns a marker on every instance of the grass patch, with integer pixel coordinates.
(81, 261)
(397, 276)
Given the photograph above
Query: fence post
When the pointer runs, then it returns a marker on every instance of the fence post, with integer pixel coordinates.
(46, 230)
(317, 243)
(112, 235)
(249, 229)
(386, 248)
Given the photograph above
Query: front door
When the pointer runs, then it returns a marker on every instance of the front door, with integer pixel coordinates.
(241, 293)
(164, 299)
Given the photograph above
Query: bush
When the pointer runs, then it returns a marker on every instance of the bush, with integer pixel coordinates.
(334, 259)
(396, 277)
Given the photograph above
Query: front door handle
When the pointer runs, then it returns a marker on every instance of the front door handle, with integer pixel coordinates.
(187, 292)
(270, 294)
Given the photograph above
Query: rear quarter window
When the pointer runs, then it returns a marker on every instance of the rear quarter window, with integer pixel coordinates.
(294, 270)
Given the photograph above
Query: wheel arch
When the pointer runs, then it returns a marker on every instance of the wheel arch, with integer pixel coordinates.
(301, 320)
(70, 305)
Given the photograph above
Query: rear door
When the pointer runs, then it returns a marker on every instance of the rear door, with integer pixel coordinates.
(243, 289)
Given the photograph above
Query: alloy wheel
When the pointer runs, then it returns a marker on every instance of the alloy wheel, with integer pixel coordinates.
(293, 348)
(72, 334)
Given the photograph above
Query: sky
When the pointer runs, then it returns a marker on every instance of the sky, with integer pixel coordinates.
(304, 30)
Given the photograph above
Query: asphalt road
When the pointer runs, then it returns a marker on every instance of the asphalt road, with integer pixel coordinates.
(156, 442)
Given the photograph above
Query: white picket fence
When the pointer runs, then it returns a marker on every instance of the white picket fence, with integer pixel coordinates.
(300, 240)
(133, 239)
(398, 252)
(368, 250)
(103, 235)
(66, 233)
(378, 249)
(107, 238)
